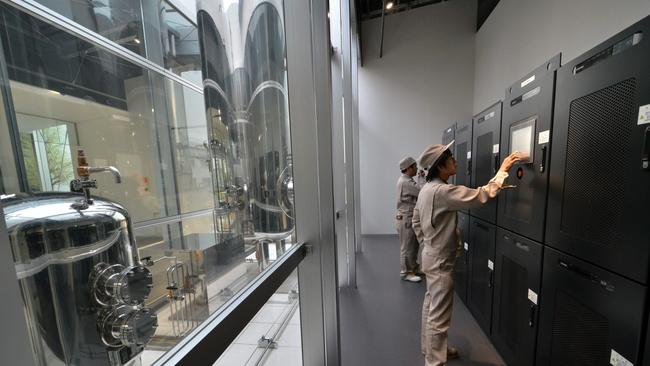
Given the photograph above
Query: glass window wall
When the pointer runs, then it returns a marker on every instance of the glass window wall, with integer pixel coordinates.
(206, 180)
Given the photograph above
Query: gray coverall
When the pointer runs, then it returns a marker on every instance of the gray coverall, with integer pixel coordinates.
(435, 222)
(407, 195)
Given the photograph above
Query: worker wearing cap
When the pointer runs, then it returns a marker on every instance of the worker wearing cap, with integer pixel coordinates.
(435, 224)
(407, 195)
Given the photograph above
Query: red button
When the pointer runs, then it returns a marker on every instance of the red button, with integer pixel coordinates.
(520, 172)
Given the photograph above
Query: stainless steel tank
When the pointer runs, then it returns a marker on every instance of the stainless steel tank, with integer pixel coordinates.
(81, 280)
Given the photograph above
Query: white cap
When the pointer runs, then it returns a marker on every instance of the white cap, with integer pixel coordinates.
(406, 162)
(432, 153)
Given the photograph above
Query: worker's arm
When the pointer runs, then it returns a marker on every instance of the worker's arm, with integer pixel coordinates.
(417, 227)
(461, 197)
(410, 188)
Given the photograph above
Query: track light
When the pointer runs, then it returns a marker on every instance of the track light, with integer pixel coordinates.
(389, 5)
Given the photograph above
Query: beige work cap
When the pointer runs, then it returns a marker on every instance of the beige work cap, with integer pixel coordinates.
(406, 162)
(432, 153)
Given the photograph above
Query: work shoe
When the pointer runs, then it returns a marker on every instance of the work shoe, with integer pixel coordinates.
(402, 275)
(452, 353)
(412, 278)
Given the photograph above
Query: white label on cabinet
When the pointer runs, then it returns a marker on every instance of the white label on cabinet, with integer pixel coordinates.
(469, 155)
(532, 296)
(528, 81)
(544, 137)
(495, 149)
(617, 360)
(466, 246)
(490, 265)
(644, 114)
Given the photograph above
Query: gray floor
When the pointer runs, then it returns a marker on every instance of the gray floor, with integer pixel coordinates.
(380, 319)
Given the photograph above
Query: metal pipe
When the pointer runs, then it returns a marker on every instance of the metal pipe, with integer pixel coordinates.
(111, 169)
(383, 14)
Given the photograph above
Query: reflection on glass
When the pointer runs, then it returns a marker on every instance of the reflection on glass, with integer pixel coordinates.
(46, 152)
(68, 93)
(180, 41)
(246, 98)
(189, 135)
(118, 20)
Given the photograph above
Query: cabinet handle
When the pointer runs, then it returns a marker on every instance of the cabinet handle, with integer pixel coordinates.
(542, 165)
(491, 279)
(531, 319)
(645, 154)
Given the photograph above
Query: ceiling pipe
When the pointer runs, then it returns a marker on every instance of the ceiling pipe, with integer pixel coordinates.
(383, 14)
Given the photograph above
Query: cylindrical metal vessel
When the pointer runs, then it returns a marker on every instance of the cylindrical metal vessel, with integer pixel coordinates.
(80, 277)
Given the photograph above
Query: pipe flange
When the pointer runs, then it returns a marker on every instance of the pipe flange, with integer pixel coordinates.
(128, 326)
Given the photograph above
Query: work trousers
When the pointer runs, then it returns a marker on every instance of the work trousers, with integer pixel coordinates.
(437, 306)
(408, 244)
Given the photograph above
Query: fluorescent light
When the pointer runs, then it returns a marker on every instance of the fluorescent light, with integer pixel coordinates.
(389, 5)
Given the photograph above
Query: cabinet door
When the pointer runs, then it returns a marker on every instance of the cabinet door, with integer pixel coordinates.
(463, 154)
(518, 269)
(461, 273)
(486, 134)
(526, 127)
(602, 109)
(481, 261)
(588, 315)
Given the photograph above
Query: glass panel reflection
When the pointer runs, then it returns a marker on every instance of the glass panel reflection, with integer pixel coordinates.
(118, 20)
(69, 93)
(246, 97)
(180, 41)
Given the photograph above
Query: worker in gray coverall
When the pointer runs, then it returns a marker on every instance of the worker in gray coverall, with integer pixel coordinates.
(407, 195)
(435, 223)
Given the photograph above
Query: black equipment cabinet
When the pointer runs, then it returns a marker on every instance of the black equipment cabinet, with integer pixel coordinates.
(646, 352)
(485, 155)
(599, 181)
(526, 126)
(448, 136)
(461, 272)
(588, 316)
(481, 271)
(463, 152)
(518, 277)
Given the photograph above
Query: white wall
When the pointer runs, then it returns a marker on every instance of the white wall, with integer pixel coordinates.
(521, 34)
(423, 83)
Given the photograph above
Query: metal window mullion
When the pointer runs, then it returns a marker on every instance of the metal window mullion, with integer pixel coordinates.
(49, 16)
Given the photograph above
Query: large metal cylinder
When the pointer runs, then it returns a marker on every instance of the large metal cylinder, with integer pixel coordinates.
(80, 277)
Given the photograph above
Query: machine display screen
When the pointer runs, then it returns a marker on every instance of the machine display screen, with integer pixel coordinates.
(522, 138)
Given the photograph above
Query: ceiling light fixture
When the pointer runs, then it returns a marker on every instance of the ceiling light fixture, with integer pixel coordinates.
(389, 5)
(136, 40)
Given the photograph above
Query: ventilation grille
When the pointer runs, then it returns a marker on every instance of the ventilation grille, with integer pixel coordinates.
(461, 164)
(484, 161)
(600, 125)
(579, 334)
(515, 309)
